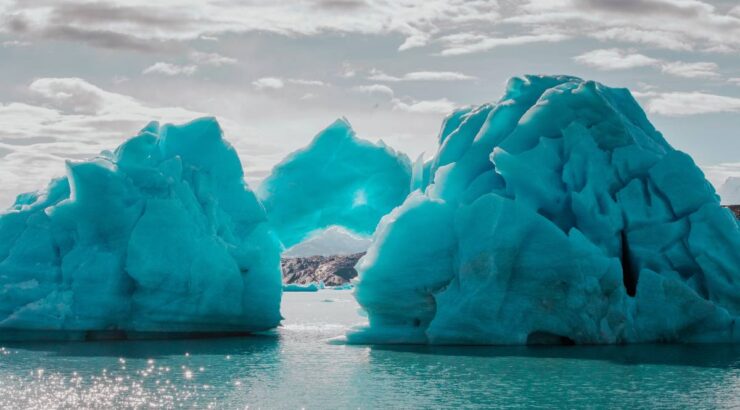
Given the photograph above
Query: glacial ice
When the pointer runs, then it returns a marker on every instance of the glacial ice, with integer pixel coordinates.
(308, 287)
(337, 180)
(556, 215)
(162, 235)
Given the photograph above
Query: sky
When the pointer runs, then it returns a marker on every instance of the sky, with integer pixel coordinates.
(78, 77)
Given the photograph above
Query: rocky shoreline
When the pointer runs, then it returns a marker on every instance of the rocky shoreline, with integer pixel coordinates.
(332, 270)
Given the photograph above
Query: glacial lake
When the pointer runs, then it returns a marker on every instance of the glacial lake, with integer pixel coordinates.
(295, 367)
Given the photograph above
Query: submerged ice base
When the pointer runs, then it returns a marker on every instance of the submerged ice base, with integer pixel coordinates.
(161, 236)
(556, 215)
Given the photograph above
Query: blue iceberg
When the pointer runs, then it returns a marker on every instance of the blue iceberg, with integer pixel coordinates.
(337, 180)
(556, 215)
(162, 235)
(303, 287)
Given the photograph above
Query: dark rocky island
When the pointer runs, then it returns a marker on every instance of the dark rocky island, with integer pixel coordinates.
(332, 270)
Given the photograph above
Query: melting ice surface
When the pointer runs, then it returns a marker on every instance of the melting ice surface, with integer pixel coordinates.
(556, 215)
(161, 235)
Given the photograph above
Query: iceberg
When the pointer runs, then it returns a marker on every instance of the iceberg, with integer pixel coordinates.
(557, 215)
(303, 287)
(337, 180)
(160, 236)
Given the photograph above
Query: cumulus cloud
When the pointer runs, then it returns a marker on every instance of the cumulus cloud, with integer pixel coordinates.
(377, 75)
(170, 69)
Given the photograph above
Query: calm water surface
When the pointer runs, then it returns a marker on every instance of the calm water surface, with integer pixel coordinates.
(296, 368)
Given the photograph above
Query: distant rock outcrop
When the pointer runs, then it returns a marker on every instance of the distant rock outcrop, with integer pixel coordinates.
(730, 191)
(332, 270)
(735, 210)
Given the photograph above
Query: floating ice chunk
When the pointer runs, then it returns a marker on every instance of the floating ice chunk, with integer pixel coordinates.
(162, 235)
(338, 179)
(303, 287)
(556, 215)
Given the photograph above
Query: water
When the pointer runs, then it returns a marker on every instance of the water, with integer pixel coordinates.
(296, 368)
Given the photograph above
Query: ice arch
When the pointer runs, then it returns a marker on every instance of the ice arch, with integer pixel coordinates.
(337, 180)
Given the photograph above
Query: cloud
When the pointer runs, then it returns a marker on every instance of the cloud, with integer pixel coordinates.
(310, 83)
(347, 70)
(272, 83)
(15, 43)
(690, 70)
(374, 89)
(614, 59)
(676, 104)
(656, 38)
(170, 69)
(211, 59)
(617, 59)
(276, 83)
(457, 45)
(377, 75)
(734, 80)
(457, 26)
(440, 106)
(145, 25)
(660, 23)
(70, 119)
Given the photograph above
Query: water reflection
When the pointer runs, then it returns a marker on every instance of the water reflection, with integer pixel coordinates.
(147, 349)
(295, 367)
(716, 356)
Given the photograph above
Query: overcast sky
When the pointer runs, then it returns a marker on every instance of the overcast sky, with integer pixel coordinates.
(77, 77)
